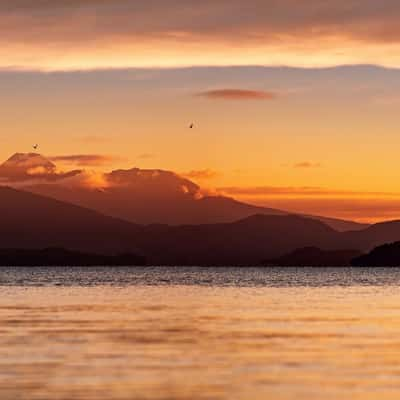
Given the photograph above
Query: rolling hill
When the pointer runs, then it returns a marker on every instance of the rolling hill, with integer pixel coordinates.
(32, 221)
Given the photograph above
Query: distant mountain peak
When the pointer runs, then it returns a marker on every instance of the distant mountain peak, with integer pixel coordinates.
(27, 160)
(22, 167)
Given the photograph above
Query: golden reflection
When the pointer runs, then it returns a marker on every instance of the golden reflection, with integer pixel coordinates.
(190, 342)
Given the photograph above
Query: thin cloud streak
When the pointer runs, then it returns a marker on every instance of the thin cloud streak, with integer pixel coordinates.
(237, 94)
(36, 175)
(273, 191)
(307, 164)
(204, 174)
(88, 160)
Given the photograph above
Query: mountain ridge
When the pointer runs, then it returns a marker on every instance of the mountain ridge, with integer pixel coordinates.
(32, 221)
(143, 196)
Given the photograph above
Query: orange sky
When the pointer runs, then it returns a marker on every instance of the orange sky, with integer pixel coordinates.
(258, 130)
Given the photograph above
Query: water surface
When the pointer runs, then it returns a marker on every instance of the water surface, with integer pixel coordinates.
(199, 333)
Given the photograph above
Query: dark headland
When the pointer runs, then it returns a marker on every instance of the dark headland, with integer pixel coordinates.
(382, 256)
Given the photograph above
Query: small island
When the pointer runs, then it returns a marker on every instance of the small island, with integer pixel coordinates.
(314, 257)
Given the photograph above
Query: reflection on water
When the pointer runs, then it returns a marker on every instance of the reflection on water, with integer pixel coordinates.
(199, 334)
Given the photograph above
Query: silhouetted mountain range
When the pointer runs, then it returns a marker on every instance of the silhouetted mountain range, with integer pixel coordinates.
(244, 242)
(141, 196)
(315, 257)
(387, 255)
(31, 221)
(177, 224)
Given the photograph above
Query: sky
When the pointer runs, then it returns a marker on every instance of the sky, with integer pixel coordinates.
(294, 104)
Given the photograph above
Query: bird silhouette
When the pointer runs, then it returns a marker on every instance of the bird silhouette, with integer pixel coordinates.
(35, 146)
(191, 126)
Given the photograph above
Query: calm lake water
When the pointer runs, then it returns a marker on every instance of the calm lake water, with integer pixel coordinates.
(199, 333)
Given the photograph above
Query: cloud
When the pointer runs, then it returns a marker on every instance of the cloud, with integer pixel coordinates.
(270, 190)
(356, 209)
(237, 94)
(203, 174)
(151, 181)
(363, 206)
(85, 160)
(307, 164)
(86, 34)
(21, 168)
(35, 174)
(306, 191)
(87, 179)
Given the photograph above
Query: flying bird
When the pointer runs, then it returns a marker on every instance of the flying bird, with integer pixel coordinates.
(191, 126)
(35, 146)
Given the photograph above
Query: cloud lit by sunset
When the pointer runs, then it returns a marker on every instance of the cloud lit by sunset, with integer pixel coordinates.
(85, 34)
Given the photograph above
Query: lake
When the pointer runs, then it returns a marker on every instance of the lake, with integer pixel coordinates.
(199, 333)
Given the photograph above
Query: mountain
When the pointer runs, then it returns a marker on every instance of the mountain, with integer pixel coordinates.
(155, 206)
(256, 238)
(387, 255)
(375, 235)
(260, 237)
(315, 257)
(141, 196)
(32, 221)
(245, 242)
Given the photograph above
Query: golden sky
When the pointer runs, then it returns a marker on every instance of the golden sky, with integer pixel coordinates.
(115, 83)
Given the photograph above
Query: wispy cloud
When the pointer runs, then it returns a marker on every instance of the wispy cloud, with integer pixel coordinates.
(308, 191)
(203, 174)
(36, 174)
(237, 94)
(85, 160)
(364, 209)
(307, 164)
